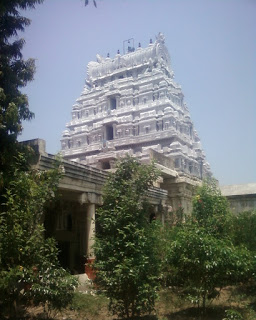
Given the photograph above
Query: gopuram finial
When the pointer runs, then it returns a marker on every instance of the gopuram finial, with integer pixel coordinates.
(160, 38)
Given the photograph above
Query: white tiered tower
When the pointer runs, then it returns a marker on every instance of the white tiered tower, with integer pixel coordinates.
(131, 104)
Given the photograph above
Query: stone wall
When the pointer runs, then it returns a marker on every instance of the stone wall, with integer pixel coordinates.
(241, 197)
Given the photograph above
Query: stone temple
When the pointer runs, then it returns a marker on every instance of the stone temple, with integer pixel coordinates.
(131, 104)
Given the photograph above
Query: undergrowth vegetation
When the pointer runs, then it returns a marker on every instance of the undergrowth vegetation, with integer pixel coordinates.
(234, 303)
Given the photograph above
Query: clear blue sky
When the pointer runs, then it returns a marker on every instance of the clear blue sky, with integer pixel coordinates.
(212, 44)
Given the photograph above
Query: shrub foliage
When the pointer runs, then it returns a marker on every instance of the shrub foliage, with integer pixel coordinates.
(127, 262)
(201, 257)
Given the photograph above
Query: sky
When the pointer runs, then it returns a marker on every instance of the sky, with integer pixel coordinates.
(212, 44)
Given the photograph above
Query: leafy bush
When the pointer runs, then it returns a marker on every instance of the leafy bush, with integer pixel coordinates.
(127, 261)
(26, 257)
(232, 315)
(244, 229)
(54, 288)
(201, 263)
(211, 210)
(200, 256)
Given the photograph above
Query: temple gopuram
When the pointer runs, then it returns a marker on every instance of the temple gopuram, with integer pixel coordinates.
(130, 104)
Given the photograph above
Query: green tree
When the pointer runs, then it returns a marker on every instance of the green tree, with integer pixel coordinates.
(200, 255)
(211, 210)
(29, 266)
(202, 264)
(244, 230)
(127, 262)
(15, 73)
(86, 2)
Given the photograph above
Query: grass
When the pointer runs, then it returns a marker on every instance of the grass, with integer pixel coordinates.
(170, 306)
(89, 305)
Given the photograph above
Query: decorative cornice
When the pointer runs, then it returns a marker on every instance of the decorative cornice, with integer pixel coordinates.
(154, 56)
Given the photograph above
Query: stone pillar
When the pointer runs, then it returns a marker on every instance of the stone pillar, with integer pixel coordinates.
(90, 241)
(90, 229)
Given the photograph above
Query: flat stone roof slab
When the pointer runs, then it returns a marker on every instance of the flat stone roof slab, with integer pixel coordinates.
(238, 189)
